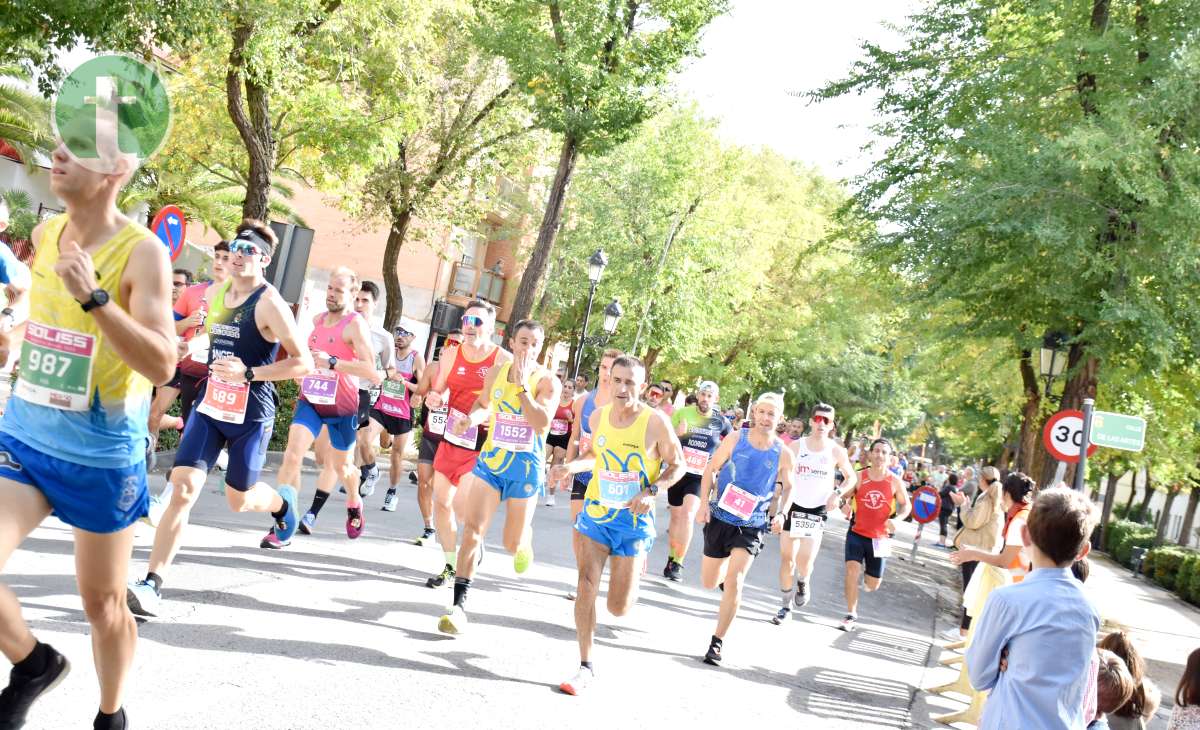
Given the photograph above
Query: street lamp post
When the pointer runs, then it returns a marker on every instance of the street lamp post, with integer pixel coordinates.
(596, 264)
(612, 315)
(1053, 358)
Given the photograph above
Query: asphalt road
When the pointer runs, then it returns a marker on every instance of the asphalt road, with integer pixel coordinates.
(332, 633)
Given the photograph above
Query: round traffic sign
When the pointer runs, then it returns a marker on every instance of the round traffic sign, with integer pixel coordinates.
(170, 225)
(926, 503)
(1063, 436)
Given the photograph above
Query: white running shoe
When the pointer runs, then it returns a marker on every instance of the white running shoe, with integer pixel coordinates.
(850, 622)
(579, 683)
(366, 489)
(549, 500)
(454, 621)
(390, 501)
(223, 460)
(158, 505)
(142, 599)
(952, 635)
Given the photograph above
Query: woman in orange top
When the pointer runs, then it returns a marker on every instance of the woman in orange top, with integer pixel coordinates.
(1016, 499)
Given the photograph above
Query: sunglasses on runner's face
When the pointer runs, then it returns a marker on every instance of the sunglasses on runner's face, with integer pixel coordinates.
(245, 249)
(655, 393)
(401, 332)
(472, 320)
(821, 419)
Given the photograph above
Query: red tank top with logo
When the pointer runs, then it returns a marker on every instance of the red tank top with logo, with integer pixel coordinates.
(331, 340)
(560, 425)
(873, 505)
(465, 382)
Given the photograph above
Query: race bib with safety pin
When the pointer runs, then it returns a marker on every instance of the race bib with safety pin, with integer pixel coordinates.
(437, 421)
(513, 433)
(559, 427)
(320, 388)
(881, 547)
(56, 367)
(737, 502)
(393, 399)
(225, 402)
(805, 525)
(470, 437)
(617, 488)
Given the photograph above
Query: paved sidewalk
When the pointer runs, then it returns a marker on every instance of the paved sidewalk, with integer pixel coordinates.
(334, 633)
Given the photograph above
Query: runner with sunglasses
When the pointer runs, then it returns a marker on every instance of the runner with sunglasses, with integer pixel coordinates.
(518, 401)
(341, 349)
(700, 429)
(814, 496)
(463, 374)
(433, 425)
(393, 410)
(247, 323)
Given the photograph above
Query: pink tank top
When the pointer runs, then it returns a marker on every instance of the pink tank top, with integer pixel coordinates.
(331, 394)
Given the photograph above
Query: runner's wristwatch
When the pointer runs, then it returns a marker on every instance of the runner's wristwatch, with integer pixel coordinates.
(249, 375)
(333, 361)
(98, 298)
(652, 489)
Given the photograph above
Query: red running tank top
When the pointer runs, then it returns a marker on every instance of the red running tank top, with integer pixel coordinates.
(331, 341)
(465, 381)
(873, 504)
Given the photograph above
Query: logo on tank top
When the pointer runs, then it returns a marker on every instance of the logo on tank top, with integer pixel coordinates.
(874, 499)
(462, 370)
(498, 394)
(602, 441)
(483, 371)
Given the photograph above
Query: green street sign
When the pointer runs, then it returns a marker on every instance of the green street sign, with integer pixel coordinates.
(1118, 431)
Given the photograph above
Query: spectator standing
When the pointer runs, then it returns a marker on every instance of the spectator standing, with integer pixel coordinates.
(1043, 628)
(1186, 715)
(1143, 703)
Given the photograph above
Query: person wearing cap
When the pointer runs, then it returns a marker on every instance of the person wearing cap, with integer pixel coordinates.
(700, 429)
(392, 411)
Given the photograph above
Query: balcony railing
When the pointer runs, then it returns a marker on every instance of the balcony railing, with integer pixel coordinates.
(472, 283)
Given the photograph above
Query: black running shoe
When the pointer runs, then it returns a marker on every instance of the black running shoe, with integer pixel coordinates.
(783, 615)
(713, 656)
(674, 571)
(22, 691)
(440, 579)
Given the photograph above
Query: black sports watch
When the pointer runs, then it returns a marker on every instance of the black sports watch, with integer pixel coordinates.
(249, 375)
(652, 489)
(333, 361)
(98, 298)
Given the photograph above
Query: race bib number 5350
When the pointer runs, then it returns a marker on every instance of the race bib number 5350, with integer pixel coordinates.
(56, 367)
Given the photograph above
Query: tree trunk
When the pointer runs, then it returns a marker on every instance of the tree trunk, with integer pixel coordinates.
(1110, 494)
(651, 358)
(1133, 476)
(1144, 508)
(1164, 518)
(1081, 385)
(539, 259)
(1185, 532)
(255, 129)
(401, 218)
(1027, 441)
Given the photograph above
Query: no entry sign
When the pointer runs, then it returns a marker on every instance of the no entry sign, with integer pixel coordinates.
(926, 503)
(170, 225)
(1063, 436)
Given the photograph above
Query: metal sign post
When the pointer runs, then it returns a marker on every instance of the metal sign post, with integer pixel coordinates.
(1081, 469)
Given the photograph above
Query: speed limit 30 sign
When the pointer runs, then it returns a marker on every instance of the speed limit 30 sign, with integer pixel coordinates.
(1063, 436)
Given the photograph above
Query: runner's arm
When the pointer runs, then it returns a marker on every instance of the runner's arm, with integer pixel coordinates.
(482, 408)
(783, 485)
(418, 374)
(363, 365)
(273, 312)
(849, 476)
(903, 505)
(719, 457)
(143, 336)
(576, 428)
(586, 460)
(540, 405)
(438, 385)
(670, 451)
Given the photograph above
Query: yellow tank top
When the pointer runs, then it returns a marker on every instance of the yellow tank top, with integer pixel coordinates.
(621, 455)
(76, 399)
(513, 449)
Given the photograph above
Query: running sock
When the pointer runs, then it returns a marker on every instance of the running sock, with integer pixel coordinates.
(671, 552)
(356, 504)
(282, 511)
(115, 721)
(717, 642)
(787, 596)
(318, 502)
(451, 558)
(461, 585)
(155, 580)
(587, 666)
(36, 663)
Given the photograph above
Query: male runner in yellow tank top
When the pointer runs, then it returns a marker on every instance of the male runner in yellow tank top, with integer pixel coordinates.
(73, 440)
(634, 454)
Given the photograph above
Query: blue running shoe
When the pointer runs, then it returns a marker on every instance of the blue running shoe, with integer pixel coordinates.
(307, 522)
(285, 528)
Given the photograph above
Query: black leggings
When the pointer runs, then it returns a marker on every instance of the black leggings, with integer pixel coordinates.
(944, 523)
(967, 570)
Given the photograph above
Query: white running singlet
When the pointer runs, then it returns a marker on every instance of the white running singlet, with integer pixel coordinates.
(813, 472)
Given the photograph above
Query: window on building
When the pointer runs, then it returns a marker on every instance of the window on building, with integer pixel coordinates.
(474, 246)
(491, 287)
(463, 283)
